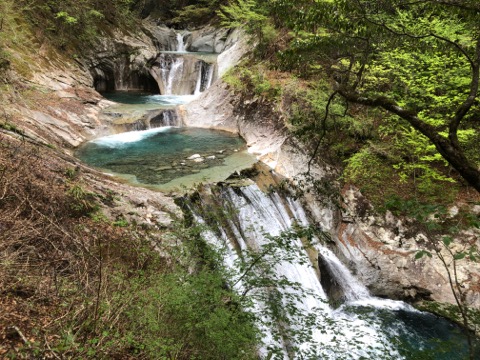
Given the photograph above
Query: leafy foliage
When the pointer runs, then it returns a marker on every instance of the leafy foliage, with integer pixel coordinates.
(194, 14)
(419, 61)
(68, 24)
(253, 17)
(255, 80)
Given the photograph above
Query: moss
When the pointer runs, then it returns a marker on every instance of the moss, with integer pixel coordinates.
(11, 127)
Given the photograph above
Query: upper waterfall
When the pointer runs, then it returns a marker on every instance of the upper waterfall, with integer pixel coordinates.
(182, 72)
(180, 43)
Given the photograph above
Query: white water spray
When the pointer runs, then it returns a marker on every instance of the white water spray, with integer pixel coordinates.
(171, 72)
(115, 141)
(332, 333)
(180, 43)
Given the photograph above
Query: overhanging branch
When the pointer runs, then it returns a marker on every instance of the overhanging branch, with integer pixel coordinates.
(448, 149)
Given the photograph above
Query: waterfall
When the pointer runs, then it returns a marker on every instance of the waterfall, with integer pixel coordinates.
(167, 117)
(180, 43)
(352, 288)
(204, 76)
(119, 76)
(209, 76)
(260, 219)
(171, 70)
(174, 74)
(198, 84)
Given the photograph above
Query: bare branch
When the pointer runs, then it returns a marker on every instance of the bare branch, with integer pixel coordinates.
(324, 130)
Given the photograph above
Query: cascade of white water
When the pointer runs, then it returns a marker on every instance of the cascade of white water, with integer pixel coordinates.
(167, 118)
(119, 77)
(209, 76)
(204, 77)
(222, 244)
(258, 218)
(198, 85)
(352, 288)
(355, 292)
(171, 70)
(180, 43)
(174, 74)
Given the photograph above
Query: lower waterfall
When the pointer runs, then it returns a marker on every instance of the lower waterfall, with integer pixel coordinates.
(262, 238)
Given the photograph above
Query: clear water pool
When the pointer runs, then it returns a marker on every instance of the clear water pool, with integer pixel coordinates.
(168, 157)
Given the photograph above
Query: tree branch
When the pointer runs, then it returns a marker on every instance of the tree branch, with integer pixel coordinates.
(324, 130)
(448, 149)
(468, 103)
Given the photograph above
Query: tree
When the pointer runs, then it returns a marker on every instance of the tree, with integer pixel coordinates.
(417, 60)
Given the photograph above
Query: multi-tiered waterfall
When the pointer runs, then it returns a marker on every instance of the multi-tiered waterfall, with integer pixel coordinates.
(152, 147)
(181, 72)
(179, 75)
(308, 305)
(274, 267)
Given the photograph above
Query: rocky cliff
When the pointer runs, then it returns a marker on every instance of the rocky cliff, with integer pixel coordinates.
(379, 248)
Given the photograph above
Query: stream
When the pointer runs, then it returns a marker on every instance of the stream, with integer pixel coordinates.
(167, 156)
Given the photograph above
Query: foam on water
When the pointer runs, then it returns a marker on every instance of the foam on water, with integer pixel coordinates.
(118, 140)
(364, 327)
(172, 99)
(379, 303)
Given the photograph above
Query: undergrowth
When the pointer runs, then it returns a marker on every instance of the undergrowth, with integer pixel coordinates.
(74, 284)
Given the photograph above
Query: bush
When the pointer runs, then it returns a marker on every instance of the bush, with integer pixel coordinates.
(71, 24)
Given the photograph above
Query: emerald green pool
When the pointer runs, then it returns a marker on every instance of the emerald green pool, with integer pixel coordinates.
(160, 156)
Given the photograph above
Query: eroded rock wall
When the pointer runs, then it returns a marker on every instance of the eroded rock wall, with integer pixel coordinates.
(379, 249)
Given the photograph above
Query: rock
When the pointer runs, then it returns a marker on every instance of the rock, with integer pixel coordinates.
(199, 160)
(218, 108)
(189, 66)
(208, 39)
(162, 168)
(453, 211)
(65, 94)
(236, 46)
(476, 209)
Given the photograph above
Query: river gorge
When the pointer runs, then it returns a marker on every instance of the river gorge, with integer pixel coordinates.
(152, 152)
(176, 127)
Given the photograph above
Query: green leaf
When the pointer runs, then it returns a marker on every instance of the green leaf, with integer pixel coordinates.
(447, 240)
(422, 253)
